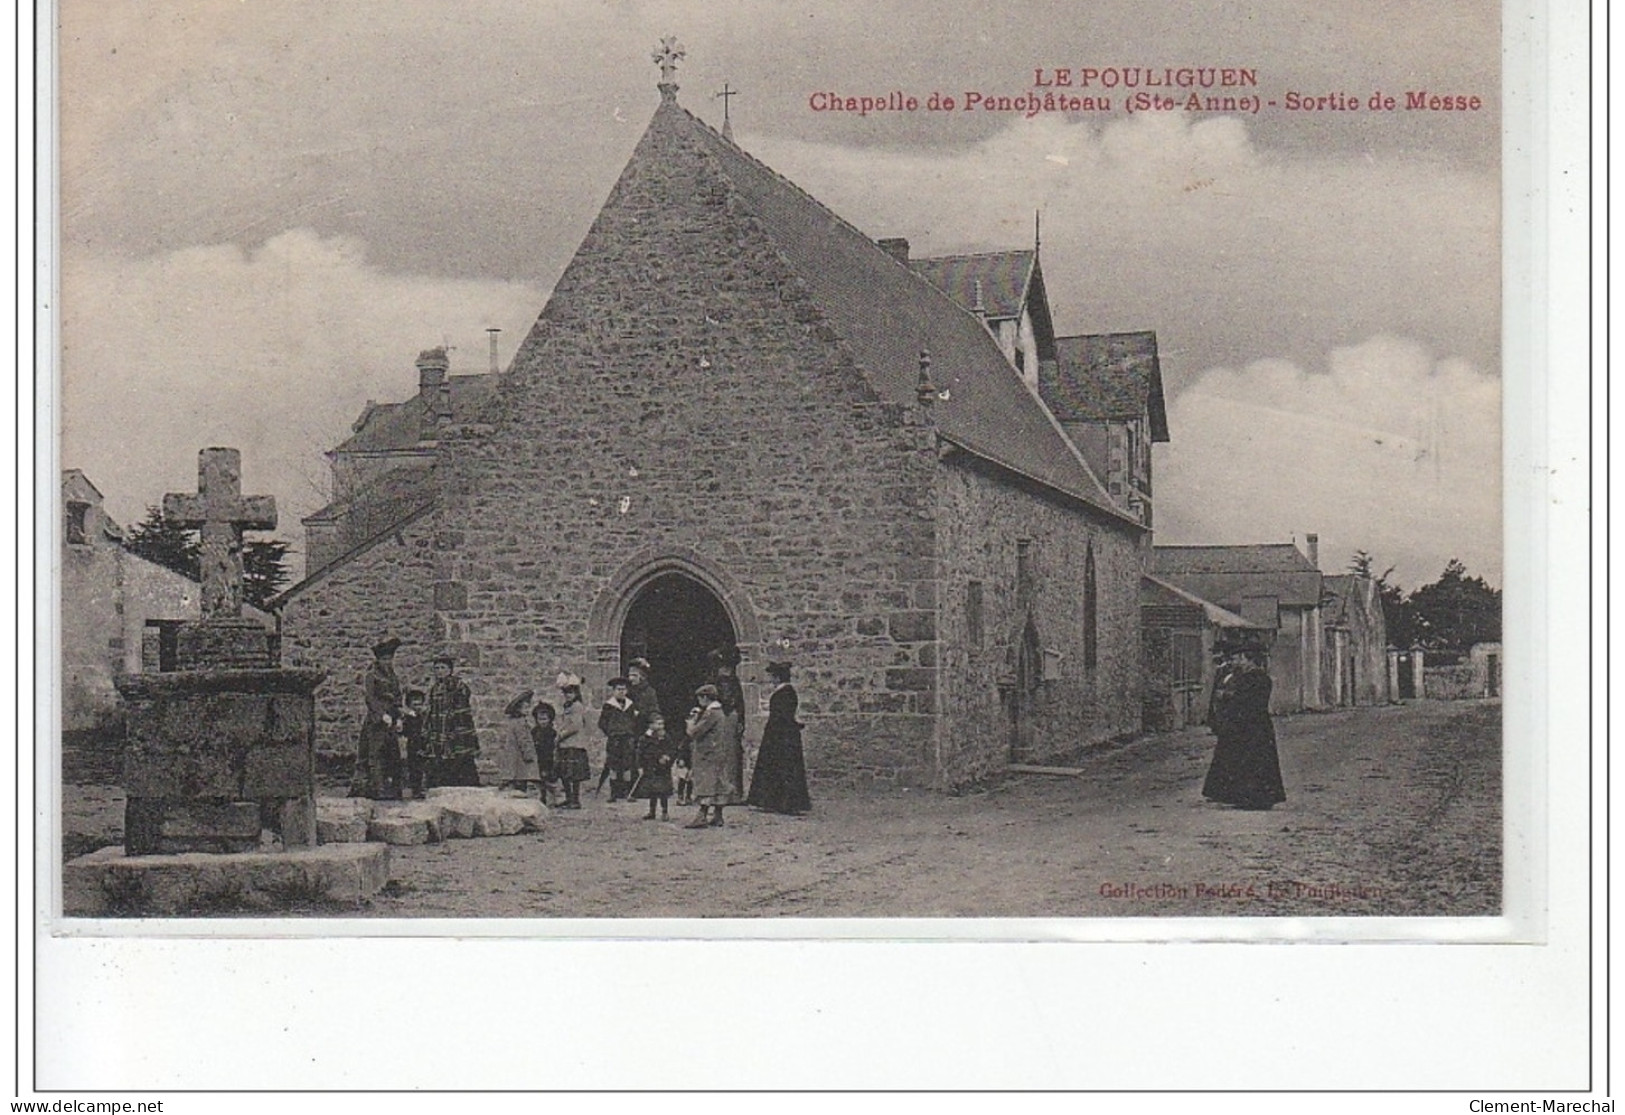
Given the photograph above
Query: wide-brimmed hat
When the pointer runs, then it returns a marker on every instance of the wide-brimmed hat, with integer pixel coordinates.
(640, 664)
(567, 680)
(779, 670)
(1236, 640)
(516, 707)
(706, 693)
(385, 646)
(725, 656)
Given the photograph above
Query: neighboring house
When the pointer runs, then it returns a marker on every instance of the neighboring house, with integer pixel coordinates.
(722, 428)
(1354, 642)
(1104, 389)
(1179, 633)
(1004, 289)
(1273, 587)
(1107, 392)
(119, 611)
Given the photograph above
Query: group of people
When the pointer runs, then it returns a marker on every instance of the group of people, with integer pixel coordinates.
(433, 732)
(551, 751)
(1246, 769)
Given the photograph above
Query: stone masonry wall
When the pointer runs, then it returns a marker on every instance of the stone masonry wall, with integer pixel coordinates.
(332, 622)
(680, 395)
(980, 518)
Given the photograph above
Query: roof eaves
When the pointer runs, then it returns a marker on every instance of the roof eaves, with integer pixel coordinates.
(992, 458)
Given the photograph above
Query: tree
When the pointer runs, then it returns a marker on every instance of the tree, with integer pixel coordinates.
(1456, 611)
(162, 542)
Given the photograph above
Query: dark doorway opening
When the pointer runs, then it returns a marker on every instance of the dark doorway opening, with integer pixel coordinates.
(675, 622)
(1407, 679)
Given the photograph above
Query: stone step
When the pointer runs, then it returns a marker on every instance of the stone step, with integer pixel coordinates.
(342, 820)
(1057, 772)
(107, 883)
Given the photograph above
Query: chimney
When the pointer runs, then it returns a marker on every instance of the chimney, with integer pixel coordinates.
(432, 382)
(896, 247)
(1313, 541)
(978, 307)
(492, 332)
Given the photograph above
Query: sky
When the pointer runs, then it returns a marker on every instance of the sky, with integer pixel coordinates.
(267, 209)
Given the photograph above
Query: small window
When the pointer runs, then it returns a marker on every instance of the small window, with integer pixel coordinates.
(973, 614)
(77, 514)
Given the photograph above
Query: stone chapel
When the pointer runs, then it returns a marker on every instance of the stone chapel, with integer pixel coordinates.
(739, 419)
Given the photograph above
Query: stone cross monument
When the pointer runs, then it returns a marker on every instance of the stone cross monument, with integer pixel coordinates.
(225, 741)
(220, 512)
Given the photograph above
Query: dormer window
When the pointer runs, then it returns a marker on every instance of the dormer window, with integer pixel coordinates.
(78, 514)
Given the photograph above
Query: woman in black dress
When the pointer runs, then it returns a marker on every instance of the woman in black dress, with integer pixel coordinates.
(779, 782)
(1246, 771)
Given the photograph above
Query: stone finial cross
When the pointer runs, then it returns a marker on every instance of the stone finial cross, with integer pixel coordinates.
(221, 513)
(667, 57)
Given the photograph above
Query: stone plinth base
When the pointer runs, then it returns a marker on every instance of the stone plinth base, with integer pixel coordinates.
(107, 883)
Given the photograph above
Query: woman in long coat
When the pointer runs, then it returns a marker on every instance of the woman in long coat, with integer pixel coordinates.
(779, 782)
(378, 753)
(716, 754)
(1246, 770)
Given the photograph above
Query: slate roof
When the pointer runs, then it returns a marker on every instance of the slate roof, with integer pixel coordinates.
(884, 312)
(392, 426)
(1004, 277)
(1157, 593)
(1227, 575)
(402, 488)
(1106, 376)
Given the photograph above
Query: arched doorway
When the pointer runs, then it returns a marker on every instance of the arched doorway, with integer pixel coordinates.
(675, 622)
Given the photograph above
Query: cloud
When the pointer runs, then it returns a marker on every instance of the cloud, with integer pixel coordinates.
(1387, 450)
(273, 351)
(1158, 221)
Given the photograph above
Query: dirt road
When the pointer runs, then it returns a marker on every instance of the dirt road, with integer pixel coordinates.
(1390, 811)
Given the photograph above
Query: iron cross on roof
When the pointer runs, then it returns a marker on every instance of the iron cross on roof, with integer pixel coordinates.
(667, 57)
(220, 512)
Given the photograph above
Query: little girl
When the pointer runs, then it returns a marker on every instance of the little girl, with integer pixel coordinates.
(516, 756)
(570, 760)
(544, 738)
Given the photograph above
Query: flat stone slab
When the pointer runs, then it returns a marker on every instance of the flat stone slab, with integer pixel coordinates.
(1056, 772)
(107, 883)
(415, 822)
(453, 813)
(475, 811)
(342, 820)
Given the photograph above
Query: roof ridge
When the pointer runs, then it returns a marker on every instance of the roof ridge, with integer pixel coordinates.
(713, 133)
